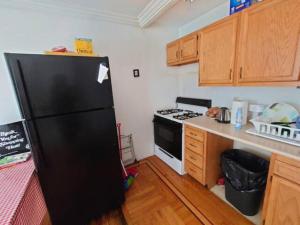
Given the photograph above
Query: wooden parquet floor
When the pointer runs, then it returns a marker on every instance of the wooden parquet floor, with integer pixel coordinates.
(151, 202)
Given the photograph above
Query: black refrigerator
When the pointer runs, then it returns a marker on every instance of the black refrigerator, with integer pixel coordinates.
(71, 125)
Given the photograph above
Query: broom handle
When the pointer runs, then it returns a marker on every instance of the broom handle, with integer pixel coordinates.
(124, 169)
(120, 140)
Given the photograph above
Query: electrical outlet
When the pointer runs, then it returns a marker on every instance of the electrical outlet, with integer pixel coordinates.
(136, 73)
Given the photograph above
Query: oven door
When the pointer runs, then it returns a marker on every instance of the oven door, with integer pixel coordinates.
(168, 136)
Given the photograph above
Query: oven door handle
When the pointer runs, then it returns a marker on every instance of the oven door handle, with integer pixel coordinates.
(165, 152)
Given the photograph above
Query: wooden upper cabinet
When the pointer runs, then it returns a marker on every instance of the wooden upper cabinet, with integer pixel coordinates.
(259, 46)
(269, 46)
(217, 52)
(189, 48)
(183, 51)
(173, 53)
(284, 203)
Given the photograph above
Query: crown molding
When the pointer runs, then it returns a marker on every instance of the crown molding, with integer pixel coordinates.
(153, 10)
(149, 14)
(65, 9)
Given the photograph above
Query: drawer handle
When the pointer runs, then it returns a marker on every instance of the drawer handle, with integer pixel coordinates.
(193, 145)
(194, 171)
(193, 158)
(193, 134)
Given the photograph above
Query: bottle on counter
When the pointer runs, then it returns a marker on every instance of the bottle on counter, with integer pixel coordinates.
(298, 122)
(236, 104)
(239, 118)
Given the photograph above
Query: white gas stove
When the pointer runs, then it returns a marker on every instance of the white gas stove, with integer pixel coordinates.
(168, 130)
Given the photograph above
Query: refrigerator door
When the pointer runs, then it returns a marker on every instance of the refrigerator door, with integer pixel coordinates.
(78, 165)
(54, 85)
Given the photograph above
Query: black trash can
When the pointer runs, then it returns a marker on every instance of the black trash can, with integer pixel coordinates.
(245, 180)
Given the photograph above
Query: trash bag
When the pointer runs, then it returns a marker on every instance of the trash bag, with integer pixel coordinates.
(247, 202)
(244, 170)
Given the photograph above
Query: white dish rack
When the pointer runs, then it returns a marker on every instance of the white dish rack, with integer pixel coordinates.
(284, 134)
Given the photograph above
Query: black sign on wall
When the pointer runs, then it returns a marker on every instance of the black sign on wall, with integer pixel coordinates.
(13, 139)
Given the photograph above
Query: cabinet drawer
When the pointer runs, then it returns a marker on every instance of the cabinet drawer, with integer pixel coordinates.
(194, 171)
(194, 145)
(287, 171)
(195, 133)
(194, 158)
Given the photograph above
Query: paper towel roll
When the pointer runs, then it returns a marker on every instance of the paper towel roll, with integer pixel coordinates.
(236, 104)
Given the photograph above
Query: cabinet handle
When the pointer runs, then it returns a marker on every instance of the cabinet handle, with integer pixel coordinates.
(193, 134)
(230, 74)
(181, 53)
(241, 72)
(177, 54)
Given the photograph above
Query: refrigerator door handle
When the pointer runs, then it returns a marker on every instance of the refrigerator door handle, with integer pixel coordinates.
(22, 91)
(35, 145)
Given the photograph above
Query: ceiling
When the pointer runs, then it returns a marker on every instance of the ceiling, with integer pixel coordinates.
(141, 13)
(125, 7)
(183, 12)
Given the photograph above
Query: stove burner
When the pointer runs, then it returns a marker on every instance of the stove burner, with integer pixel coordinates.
(186, 116)
(169, 111)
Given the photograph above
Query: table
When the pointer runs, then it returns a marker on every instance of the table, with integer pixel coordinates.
(21, 198)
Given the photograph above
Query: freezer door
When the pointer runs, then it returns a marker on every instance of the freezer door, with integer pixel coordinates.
(78, 165)
(54, 85)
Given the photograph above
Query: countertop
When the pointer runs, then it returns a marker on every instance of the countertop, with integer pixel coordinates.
(230, 132)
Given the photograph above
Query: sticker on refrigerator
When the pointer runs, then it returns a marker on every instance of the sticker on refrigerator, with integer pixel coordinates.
(102, 75)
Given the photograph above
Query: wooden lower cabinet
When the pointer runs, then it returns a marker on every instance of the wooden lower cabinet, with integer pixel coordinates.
(202, 155)
(284, 203)
(282, 198)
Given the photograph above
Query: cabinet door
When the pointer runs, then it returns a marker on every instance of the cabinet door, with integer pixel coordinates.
(189, 48)
(284, 203)
(173, 53)
(269, 48)
(217, 52)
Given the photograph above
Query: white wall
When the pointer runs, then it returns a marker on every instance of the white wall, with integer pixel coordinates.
(128, 48)
(213, 15)
(223, 96)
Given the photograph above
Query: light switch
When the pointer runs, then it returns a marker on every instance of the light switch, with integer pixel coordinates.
(136, 73)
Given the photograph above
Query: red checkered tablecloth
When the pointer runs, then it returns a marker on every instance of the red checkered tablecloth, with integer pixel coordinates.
(21, 199)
